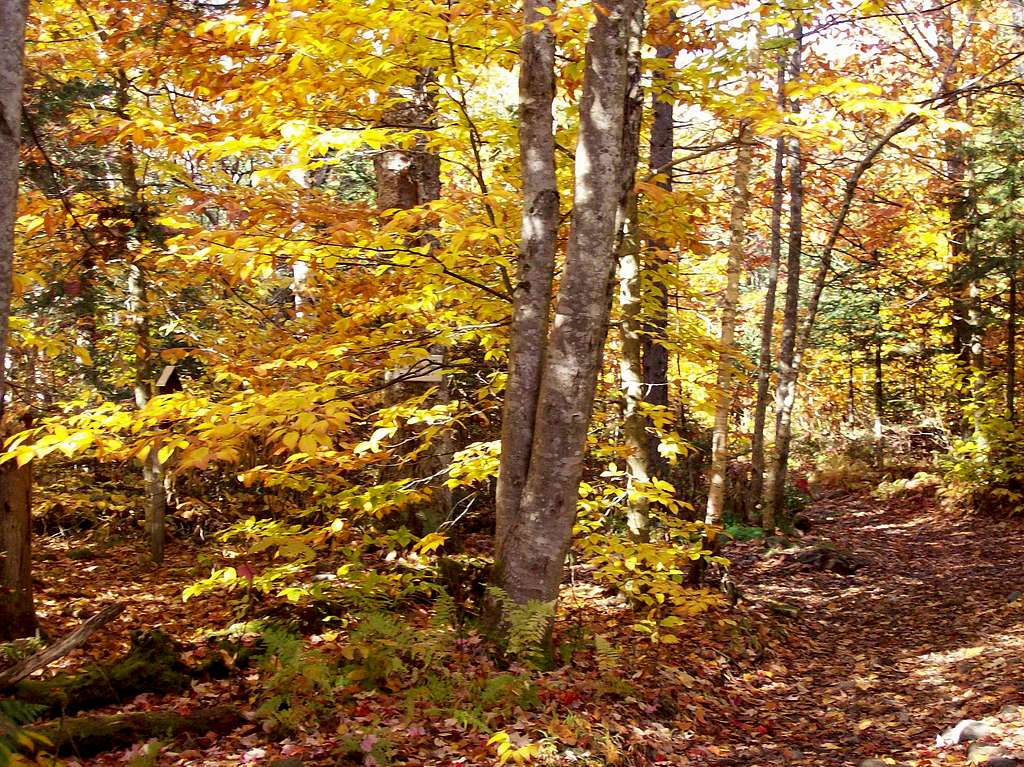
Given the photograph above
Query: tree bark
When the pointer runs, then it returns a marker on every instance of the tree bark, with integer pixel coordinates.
(764, 362)
(531, 559)
(531, 303)
(726, 363)
(785, 391)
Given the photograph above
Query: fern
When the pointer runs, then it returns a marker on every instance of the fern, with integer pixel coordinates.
(13, 715)
(527, 626)
(608, 656)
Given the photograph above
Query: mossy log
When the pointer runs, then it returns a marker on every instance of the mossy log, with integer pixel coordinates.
(86, 736)
(152, 664)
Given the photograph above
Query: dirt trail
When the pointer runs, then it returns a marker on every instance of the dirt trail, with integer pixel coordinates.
(928, 632)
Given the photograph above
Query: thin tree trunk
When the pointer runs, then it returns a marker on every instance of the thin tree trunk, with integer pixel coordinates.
(726, 363)
(654, 354)
(138, 312)
(634, 423)
(1011, 338)
(785, 391)
(531, 560)
(879, 403)
(781, 456)
(536, 264)
(764, 363)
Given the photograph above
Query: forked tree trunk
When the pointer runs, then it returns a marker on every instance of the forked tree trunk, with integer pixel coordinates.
(785, 392)
(532, 298)
(764, 362)
(531, 558)
(726, 363)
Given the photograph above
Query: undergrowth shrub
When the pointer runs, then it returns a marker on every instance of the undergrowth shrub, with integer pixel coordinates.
(985, 472)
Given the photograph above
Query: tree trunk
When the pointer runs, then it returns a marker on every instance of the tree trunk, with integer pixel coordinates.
(12, 77)
(531, 303)
(1011, 338)
(17, 609)
(407, 179)
(138, 312)
(530, 561)
(879, 403)
(785, 391)
(783, 421)
(726, 363)
(634, 423)
(764, 362)
(654, 355)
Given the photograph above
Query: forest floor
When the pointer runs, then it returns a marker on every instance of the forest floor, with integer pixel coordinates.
(877, 664)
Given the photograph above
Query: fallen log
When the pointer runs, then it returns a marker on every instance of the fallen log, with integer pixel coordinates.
(60, 648)
(86, 736)
(152, 664)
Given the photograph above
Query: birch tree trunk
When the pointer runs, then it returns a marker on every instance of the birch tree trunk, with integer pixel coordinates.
(531, 559)
(536, 264)
(726, 363)
(17, 611)
(879, 402)
(764, 362)
(785, 392)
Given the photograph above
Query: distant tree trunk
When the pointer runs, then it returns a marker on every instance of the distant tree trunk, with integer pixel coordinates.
(653, 352)
(785, 392)
(17, 612)
(784, 419)
(879, 404)
(634, 423)
(531, 303)
(531, 558)
(1011, 338)
(851, 393)
(407, 178)
(726, 363)
(138, 312)
(764, 363)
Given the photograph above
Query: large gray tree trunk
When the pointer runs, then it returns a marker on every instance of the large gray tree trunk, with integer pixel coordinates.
(531, 557)
(727, 335)
(764, 362)
(532, 298)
